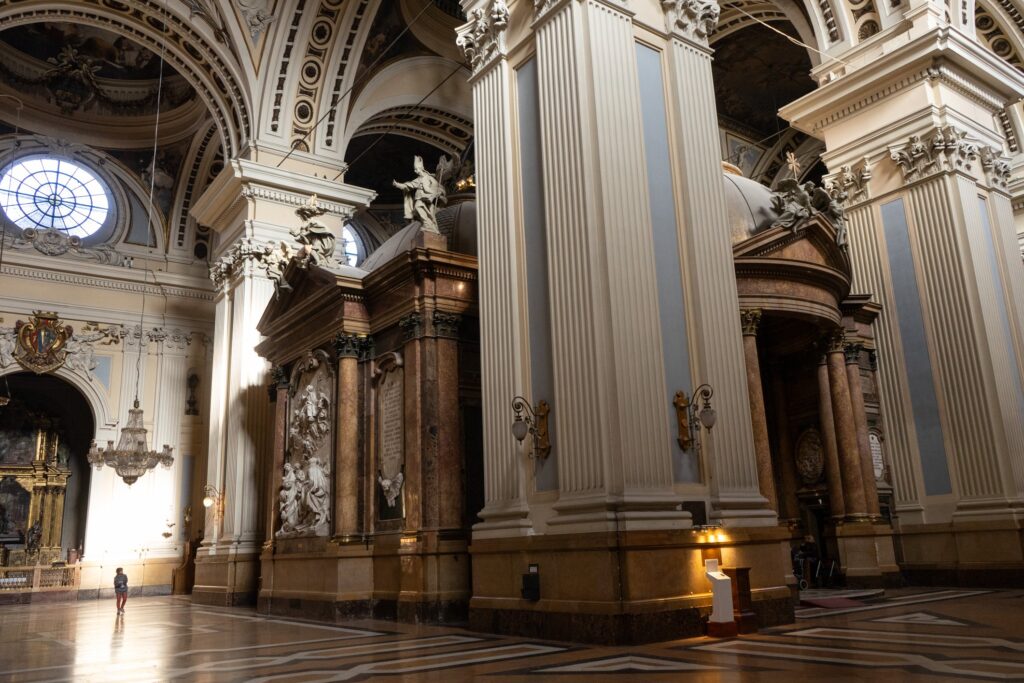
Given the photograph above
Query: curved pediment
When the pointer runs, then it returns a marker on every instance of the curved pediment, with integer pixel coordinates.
(799, 270)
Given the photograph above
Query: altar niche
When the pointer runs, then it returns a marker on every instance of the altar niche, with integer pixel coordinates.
(377, 387)
(44, 479)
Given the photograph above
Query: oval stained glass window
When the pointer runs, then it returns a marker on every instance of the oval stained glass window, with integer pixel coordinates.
(44, 193)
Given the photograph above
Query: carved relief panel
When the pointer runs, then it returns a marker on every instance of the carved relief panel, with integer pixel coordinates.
(390, 429)
(304, 500)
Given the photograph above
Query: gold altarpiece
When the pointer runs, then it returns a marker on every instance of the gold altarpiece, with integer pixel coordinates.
(34, 477)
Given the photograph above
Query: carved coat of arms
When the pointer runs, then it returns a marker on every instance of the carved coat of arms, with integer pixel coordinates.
(42, 342)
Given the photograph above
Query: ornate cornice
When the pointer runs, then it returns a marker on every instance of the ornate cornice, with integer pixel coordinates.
(944, 149)
(253, 191)
(693, 19)
(79, 279)
(482, 38)
(750, 320)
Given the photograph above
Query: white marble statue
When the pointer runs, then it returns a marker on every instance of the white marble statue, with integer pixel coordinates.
(288, 500)
(423, 193)
(317, 494)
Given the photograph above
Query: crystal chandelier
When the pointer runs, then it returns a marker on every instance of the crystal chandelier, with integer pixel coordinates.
(132, 457)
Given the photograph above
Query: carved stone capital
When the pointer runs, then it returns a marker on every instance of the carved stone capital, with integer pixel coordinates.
(446, 324)
(852, 180)
(944, 149)
(835, 342)
(750, 319)
(412, 326)
(852, 352)
(482, 38)
(996, 166)
(348, 345)
(693, 19)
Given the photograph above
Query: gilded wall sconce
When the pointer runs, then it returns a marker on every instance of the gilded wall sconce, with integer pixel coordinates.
(532, 421)
(689, 419)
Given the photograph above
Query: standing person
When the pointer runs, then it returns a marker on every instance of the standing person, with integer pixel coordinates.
(121, 589)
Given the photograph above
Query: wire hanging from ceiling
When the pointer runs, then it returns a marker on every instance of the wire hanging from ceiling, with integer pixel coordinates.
(4, 400)
(358, 79)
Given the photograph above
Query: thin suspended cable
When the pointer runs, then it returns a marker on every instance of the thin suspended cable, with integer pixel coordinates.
(785, 35)
(409, 110)
(149, 216)
(355, 82)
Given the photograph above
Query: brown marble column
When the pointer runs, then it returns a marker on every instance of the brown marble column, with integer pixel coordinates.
(346, 471)
(449, 441)
(789, 508)
(750, 320)
(846, 428)
(860, 418)
(279, 392)
(837, 502)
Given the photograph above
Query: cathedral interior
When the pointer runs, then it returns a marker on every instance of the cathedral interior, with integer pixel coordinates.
(512, 338)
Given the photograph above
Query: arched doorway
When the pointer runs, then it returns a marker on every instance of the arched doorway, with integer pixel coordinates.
(44, 476)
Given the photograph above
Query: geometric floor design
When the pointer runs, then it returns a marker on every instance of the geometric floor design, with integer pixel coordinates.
(962, 635)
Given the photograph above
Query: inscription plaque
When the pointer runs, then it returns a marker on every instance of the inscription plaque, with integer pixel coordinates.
(391, 443)
(877, 461)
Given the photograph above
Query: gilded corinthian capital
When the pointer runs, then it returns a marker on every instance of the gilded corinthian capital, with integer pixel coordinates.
(695, 19)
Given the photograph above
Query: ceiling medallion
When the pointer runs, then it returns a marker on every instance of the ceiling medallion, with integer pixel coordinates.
(132, 457)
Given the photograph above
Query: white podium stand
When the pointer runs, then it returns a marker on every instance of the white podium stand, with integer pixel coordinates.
(722, 623)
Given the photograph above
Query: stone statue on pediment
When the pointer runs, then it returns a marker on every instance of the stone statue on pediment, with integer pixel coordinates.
(316, 239)
(424, 192)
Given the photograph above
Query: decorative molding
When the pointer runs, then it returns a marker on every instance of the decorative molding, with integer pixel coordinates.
(482, 38)
(254, 191)
(693, 19)
(996, 166)
(945, 149)
(52, 242)
(171, 340)
(750, 320)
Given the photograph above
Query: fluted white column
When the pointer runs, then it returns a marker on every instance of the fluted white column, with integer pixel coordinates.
(218, 409)
(502, 300)
(613, 450)
(729, 449)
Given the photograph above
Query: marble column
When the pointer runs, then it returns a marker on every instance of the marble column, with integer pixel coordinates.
(789, 508)
(737, 496)
(846, 428)
(755, 394)
(833, 475)
(860, 418)
(502, 300)
(346, 475)
(279, 389)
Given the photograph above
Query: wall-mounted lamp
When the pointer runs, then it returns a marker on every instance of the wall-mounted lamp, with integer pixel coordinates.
(214, 501)
(689, 419)
(532, 421)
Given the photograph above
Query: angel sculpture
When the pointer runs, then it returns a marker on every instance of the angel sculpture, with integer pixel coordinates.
(316, 238)
(390, 487)
(424, 192)
(794, 203)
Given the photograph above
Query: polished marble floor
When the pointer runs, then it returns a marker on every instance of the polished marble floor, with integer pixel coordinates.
(907, 635)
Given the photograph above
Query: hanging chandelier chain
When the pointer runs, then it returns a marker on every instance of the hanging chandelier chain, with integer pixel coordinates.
(149, 217)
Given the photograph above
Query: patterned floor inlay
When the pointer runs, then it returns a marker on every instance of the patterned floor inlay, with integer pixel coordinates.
(963, 635)
(922, 618)
(930, 596)
(626, 663)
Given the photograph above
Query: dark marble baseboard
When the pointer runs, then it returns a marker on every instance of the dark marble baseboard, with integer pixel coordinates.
(616, 629)
(223, 599)
(975, 577)
(425, 612)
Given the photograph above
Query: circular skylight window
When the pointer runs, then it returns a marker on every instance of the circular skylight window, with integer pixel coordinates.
(43, 193)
